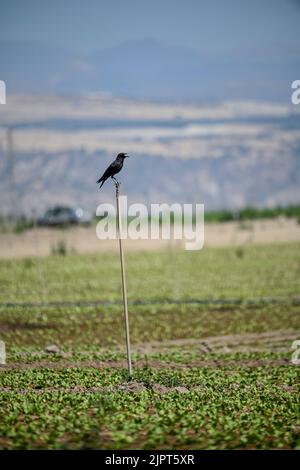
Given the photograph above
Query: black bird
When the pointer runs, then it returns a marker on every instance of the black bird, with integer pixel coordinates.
(113, 168)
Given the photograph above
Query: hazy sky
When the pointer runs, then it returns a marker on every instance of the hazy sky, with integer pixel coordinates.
(92, 24)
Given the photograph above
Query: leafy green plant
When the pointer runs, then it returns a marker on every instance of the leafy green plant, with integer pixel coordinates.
(206, 375)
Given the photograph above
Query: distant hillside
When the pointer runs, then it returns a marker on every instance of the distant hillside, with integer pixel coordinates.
(227, 156)
(151, 70)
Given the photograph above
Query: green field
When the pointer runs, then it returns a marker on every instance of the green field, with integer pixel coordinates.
(211, 335)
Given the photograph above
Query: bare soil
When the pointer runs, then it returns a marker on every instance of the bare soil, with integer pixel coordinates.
(42, 241)
(227, 343)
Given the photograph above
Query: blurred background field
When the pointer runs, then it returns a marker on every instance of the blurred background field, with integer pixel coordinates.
(242, 272)
(172, 295)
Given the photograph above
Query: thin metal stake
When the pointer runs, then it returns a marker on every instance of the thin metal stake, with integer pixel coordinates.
(117, 184)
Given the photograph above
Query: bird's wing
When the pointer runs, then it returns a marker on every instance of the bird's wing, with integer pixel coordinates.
(108, 172)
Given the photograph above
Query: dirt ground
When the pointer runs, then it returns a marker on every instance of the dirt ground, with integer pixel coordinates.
(278, 340)
(44, 241)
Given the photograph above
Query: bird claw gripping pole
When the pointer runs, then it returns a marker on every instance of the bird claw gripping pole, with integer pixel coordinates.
(125, 304)
(117, 185)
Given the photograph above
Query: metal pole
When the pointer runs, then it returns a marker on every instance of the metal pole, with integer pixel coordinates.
(11, 173)
(119, 224)
(38, 256)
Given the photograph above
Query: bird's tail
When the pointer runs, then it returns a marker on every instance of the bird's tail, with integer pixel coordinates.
(100, 181)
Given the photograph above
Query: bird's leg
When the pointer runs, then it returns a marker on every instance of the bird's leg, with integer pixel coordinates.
(117, 183)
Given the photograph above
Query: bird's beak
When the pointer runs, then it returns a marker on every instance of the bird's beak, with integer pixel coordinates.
(127, 156)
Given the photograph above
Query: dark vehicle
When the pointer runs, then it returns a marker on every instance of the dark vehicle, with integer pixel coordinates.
(61, 215)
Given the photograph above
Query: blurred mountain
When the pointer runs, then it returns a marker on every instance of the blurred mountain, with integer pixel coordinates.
(148, 69)
(227, 155)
